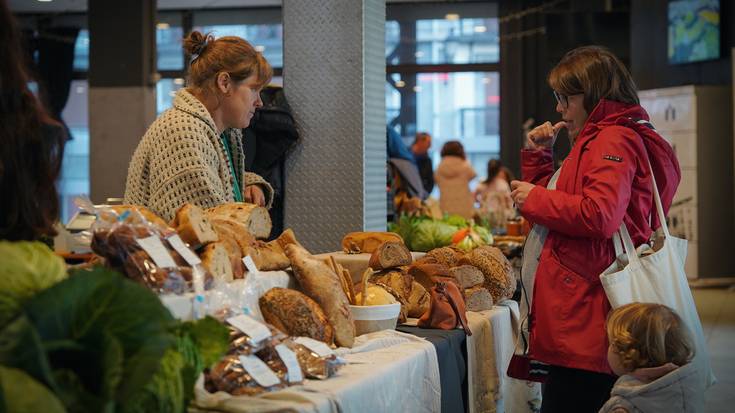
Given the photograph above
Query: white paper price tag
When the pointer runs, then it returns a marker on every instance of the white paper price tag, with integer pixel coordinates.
(292, 363)
(250, 264)
(183, 250)
(154, 247)
(255, 330)
(321, 349)
(259, 371)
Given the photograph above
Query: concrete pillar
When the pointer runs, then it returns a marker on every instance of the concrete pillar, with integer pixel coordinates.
(334, 78)
(122, 89)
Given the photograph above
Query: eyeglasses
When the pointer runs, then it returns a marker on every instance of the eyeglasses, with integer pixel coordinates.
(562, 99)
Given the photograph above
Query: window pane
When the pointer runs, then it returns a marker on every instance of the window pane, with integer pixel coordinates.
(74, 180)
(460, 106)
(266, 38)
(442, 41)
(165, 92)
(81, 51)
(168, 47)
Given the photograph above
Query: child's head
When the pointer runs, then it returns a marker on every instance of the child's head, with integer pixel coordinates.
(646, 335)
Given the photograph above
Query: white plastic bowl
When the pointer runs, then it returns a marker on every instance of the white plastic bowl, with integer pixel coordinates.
(371, 318)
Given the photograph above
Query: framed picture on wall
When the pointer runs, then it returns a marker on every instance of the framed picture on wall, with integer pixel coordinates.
(694, 31)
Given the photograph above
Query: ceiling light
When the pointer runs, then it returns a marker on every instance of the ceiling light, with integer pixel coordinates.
(480, 29)
(163, 26)
(452, 16)
(400, 83)
(45, 1)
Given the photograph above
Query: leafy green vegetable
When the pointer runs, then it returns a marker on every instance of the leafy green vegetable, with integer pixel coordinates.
(26, 268)
(101, 339)
(430, 234)
(20, 393)
(456, 220)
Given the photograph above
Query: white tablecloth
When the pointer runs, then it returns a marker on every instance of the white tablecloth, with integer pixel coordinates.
(389, 371)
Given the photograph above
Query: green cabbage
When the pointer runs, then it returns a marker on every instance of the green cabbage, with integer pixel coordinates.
(456, 220)
(26, 269)
(432, 234)
(19, 392)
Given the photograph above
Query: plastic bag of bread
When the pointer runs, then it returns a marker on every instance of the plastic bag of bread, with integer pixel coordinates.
(242, 375)
(312, 364)
(149, 252)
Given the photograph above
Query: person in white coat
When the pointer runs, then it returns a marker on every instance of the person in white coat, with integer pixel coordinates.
(651, 349)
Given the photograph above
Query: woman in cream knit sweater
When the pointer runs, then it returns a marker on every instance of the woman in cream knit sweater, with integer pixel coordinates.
(193, 152)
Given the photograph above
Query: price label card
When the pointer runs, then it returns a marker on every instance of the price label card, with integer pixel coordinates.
(292, 363)
(318, 347)
(250, 264)
(255, 330)
(259, 371)
(154, 247)
(178, 244)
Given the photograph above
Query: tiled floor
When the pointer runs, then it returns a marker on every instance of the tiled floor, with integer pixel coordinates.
(717, 310)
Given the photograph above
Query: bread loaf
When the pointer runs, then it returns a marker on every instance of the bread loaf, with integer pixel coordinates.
(367, 242)
(323, 285)
(497, 270)
(448, 256)
(296, 314)
(193, 226)
(418, 301)
(256, 219)
(390, 255)
(467, 275)
(478, 299)
(216, 260)
(400, 281)
(236, 230)
(144, 212)
(270, 256)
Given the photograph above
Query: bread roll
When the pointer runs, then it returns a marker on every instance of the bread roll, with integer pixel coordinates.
(217, 261)
(478, 299)
(497, 270)
(256, 219)
(296, 314)
(193, 226)
(367, 242)
(467, 275)
(390, 255)
(320, 282)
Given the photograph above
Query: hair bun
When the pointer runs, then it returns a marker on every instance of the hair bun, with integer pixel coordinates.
(196, 42)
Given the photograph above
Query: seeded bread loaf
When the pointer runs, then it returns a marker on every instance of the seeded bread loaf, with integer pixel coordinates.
(296, 314)
(497, 270)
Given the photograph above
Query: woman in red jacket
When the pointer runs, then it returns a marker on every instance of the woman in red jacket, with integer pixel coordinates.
(604, 181)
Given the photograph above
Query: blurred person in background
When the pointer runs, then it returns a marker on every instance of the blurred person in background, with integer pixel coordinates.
(453, 176)
(420, 150)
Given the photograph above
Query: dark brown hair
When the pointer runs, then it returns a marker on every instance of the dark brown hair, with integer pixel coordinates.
(453, 148)
(494, 166)
(31, 146)
(595, 72)
(230, 54)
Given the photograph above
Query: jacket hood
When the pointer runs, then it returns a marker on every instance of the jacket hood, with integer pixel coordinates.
(451, 167)
(661, 154)
(682, 387)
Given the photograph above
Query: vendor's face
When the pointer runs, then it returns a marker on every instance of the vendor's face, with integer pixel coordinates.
(240, 103)
(573, 113)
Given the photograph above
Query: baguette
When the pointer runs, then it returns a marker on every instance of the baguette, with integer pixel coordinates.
(320, 282)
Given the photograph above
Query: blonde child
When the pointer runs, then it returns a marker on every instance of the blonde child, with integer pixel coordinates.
(651, 349)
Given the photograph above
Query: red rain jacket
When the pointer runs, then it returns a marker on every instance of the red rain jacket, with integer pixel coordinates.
(604, 180)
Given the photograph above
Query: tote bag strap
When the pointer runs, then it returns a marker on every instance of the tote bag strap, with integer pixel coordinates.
(622, 240)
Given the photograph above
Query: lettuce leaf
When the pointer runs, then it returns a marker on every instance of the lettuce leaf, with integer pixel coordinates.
(20, 393)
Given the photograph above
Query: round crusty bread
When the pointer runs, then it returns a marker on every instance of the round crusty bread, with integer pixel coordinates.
(497, 270)
(448, 256)
(296, 314)
(478, 299)
(467, 275)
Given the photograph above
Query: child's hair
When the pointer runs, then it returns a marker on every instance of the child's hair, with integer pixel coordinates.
(649, 335)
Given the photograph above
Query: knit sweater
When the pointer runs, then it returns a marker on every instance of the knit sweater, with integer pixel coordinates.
(181, 159)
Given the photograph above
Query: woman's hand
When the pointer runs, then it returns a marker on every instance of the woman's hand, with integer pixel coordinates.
(543, 136)
(520, 192)
(254, 195)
